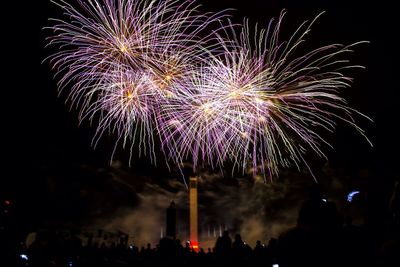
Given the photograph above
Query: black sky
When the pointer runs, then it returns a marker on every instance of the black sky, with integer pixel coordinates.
(39, 130)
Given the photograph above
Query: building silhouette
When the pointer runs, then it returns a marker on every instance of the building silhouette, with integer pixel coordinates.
(171, 221)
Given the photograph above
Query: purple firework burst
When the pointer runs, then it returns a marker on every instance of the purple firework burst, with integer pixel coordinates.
(119, 58)
(259, 105)
(139, 68)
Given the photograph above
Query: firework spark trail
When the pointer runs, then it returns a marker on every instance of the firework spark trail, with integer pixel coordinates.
(155, 42)
(125, 106)
(139, 68)
(259, 104)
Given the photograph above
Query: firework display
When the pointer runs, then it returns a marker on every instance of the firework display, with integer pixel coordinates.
(141, 69)
(118, 58)
(258, 104)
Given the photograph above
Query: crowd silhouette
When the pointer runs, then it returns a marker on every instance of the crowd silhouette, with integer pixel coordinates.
(321, 238)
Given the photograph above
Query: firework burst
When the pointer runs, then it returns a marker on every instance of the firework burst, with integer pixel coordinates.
(107, 46)
(258, 105)
(140, 69)
(125, 106)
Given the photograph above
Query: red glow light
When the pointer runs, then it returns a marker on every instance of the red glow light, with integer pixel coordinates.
(194, 245)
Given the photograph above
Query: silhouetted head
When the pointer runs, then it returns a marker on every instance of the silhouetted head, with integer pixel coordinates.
(238, 237)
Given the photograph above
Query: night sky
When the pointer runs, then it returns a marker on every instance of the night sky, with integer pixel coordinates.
(48, 159)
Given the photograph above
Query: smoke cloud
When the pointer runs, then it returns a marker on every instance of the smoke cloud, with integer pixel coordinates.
(248, 206)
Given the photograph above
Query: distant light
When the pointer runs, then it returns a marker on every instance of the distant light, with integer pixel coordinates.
(324, 200)
(351, 195)
(7, 202)
(275, 265)
(70, 264)
(23, 256)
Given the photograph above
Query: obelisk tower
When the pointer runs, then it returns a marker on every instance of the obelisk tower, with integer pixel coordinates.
(193, 213)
